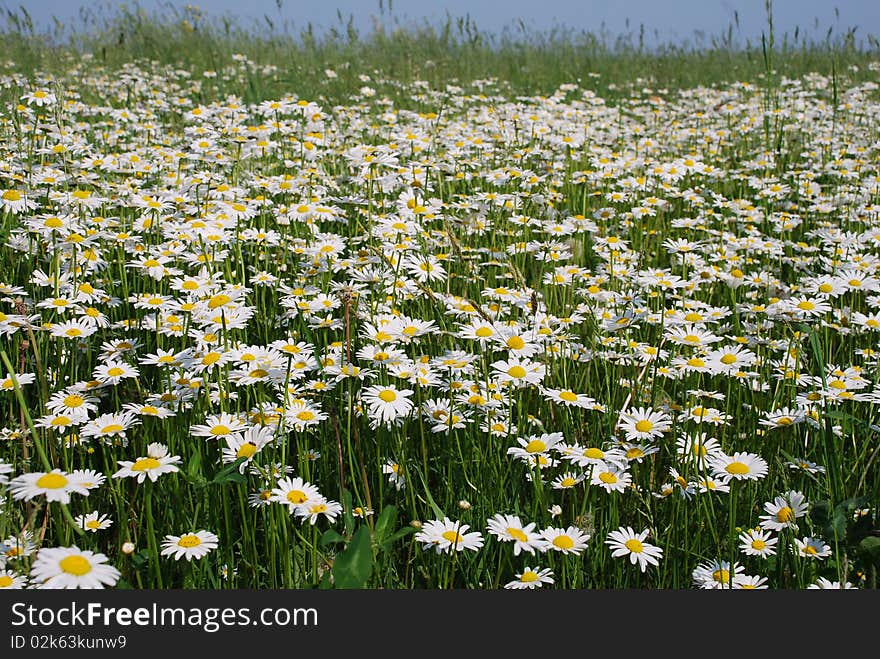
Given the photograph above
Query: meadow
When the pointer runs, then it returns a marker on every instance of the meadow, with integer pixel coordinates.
(433, 308)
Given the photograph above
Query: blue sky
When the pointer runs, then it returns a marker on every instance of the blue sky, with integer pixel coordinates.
(664, 20)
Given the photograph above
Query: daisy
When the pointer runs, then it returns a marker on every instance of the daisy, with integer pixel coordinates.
(747, 582)
(809, 547)
(739, 466)
(73, 329)
(567, 480)
(248, 446)
(71, 402)
(93, 522)
(447, 535)
(311, 510)
(519, 373)
(108, 426)
(715, 574)
(784, 511)
(71, 567)
(824, 584)
(55, 485)
(626, 541)
(113, 372)
(531, 577)
(219, 426)
(699, 448)
(387, 403)
(295, 492)
(17, 546)
(644, 424)
(757, 542)
(568, 398)
(533, 445)
(610, 477)
(5, 470)
(302, 414)
(509, 528)
(11, 580)
(154, 464)
(801, 464)
(395, 474)
(190, 545)
(570, 540)
(782, 418)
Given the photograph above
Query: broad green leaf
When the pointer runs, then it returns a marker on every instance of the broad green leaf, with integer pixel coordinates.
(230, 473)
(870, 546)
(330, 537)
(385, 523)
(352, 568)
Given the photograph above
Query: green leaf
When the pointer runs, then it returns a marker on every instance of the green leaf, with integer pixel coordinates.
(439, 513)
(347, 515)
(331, 536)
(405, 531)
(385, 523)
(353, 567)
(870, 547)
(230, 473)
(194, 466)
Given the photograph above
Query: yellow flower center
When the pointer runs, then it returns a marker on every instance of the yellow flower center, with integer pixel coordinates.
(484, 332)
(51, 481)
(189, 541)
(515, 343)
(115, 372)
(93, 524)
(73, 401)
(5, 581)
(218, 301)
(220, 430)
(536, 446)
(644, 426)
(728, 359)
(758, 545)
(721, 576)
(607, 477)
(75, 565)
(296, 497)
(12, 195)
(563, 542)
(568, 396)
(696, 362)
(211, 358)
(452, 536)
(145, 464)
(634, 546)
(246, 450)
(529, 577)
(516, 372)
(517, 534)
(110, 429)
(806, 305)
(784, 514)
(737, 468)
(387, 396)
(305, 415)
